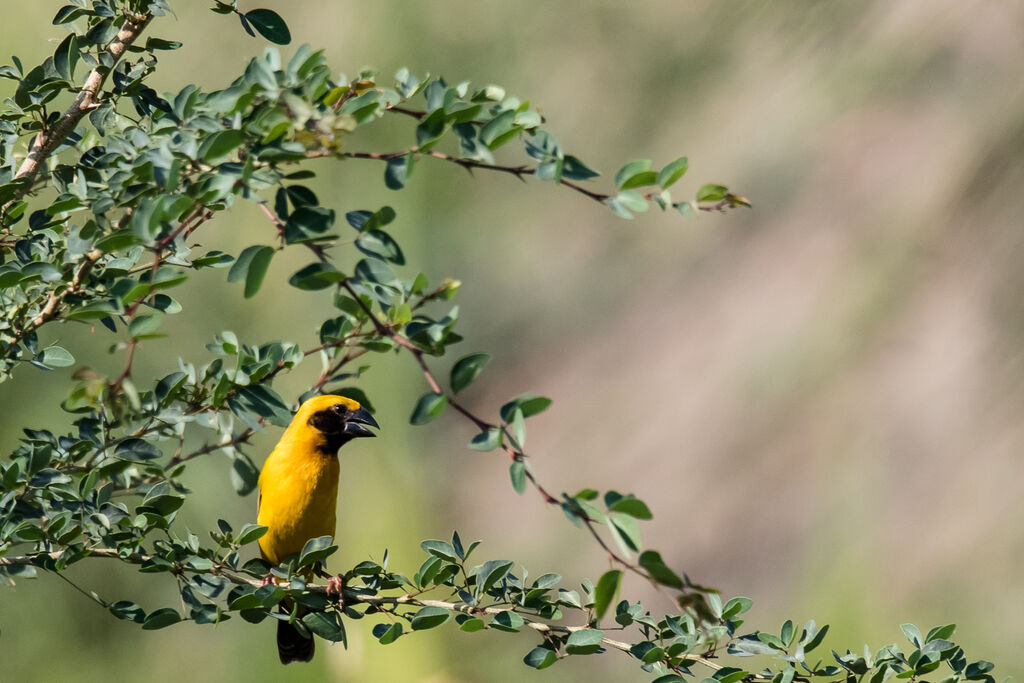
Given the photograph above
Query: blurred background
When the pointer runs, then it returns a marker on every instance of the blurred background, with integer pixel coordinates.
(819, 397)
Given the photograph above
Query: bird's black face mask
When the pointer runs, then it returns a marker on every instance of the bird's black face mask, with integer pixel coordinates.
(340, 425)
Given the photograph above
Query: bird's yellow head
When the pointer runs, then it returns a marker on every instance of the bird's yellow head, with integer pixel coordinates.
(338, 418)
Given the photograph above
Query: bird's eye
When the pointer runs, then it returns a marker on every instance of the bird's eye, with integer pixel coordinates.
(339, 409)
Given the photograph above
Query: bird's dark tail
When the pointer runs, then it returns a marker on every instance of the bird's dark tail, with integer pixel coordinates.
(292, 646)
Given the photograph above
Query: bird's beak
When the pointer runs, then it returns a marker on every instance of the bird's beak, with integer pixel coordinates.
(355, 421)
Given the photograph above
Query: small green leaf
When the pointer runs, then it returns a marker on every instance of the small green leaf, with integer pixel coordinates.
(428, 407)
(380, 244)
(257, 270)
(633, 201)
(519, 428)
(574, 169)
(441, 549)
(659, 571)
(142, 325)
(673, 172)
(630, 505)
(486, 441)
(397, 172)
(124, 609)
(913, 634)
(507, 621)
(137, 449)
(429, 617)
(161, 619)
(316, 276)
(270, 25)
(605, 590)
(316, 550)
(66, 57)
(736, 607)
(490, 573)
(251, 266)
(584, 642)
(634, 174)
(327, 625)
(517, 473)
(467, 369)
(389, 633)
(711, 192)
(625, 531)
(250, 533)
(540, 657)
(730, 674)
(495, 132)
(472, 625)
(528, 403)
(56, 356)
(220, 145)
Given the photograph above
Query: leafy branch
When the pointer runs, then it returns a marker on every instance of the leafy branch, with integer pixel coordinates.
(106, 235)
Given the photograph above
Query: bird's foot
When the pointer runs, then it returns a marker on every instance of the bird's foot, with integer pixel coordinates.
(267, 580)
(336, 586)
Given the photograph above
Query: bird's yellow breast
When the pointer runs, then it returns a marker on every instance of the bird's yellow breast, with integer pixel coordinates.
(298, 494)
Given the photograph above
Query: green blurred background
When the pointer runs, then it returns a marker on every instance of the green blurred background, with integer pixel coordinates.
(819, 397)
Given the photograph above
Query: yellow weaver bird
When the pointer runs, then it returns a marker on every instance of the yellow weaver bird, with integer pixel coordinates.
(299, 490)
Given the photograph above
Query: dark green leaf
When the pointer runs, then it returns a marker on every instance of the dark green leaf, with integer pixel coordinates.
(632, 506)
(659, 571)
(441, 549)
(491, 572)
(397, 172)
(380, 244)
(528, 403)
(429, 617)
(251, 266)
(574, 169)
(584, 642)
(540, 657)
(270, 25)
(250, 533)
(730, 674)
(308, 222)
(605, 590)
(467, 369)
(327, 625)
(123, 609)
(161, 619)
(66, 56)
(486, 441)
(316, 276)
(388, 634)
(507, 621)
(137, 449)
